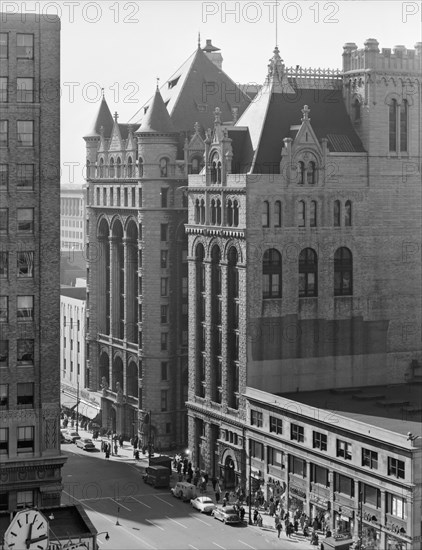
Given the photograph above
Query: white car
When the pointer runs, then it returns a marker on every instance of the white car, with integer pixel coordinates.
(203, 504)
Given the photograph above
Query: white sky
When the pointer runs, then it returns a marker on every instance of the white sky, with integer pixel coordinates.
(123, 46)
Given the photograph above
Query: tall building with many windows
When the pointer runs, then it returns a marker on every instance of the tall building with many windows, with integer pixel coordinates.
(137, 294)
(31, 462)
(304, 270)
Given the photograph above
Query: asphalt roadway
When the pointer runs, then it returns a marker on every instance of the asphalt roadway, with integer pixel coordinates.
(137, 516)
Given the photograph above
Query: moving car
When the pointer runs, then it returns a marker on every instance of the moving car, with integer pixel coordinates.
(73, 436)
(203, 504)
(226, 514)
(86, 444)
(65, 438)
(184, 490)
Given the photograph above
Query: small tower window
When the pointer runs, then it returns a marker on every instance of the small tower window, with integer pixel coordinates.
(101, 168)
(129, 168)
(337, 213)
(403, 125)
(163, 167)
(301, 172)
(265, 215)
(356, 110)
(313, 214)
(141, 167)
(218, 212)
(112, 168)
(235, 213)
(119, 167)
(218, 172)
(301, 214)
(348, 214)
(393, 125)
(311, 173)
(277, 214)
(229, 213)
(202, 211)
(213, 212)
(197, 211)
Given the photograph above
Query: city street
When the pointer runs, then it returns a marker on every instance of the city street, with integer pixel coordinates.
(137, 516)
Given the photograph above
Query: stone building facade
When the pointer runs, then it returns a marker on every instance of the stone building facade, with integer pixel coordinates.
(303, 265)
(137, 327)
(30, 468)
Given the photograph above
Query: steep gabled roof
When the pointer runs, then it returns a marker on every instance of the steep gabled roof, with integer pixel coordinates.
(157, 119)
(193, 92)
(103, 118)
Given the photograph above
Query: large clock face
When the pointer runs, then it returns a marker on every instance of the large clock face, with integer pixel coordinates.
(28, 531)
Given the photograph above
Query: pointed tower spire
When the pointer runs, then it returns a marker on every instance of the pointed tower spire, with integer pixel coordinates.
(103, 119)
(199, 40)
(157, 119)
(277, 77)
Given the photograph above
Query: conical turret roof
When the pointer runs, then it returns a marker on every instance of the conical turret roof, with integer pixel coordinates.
(104, 119)
(157, 119)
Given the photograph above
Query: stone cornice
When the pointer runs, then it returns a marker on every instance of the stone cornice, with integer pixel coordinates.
(216, 415)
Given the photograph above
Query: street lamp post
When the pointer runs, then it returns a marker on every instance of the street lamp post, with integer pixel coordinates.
(250, 483)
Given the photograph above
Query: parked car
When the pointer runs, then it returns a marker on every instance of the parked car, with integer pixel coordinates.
(86, 444)
(157, 476)
(184, 490)
(64, 437)
(226, 514)
(73, 436)
(203, 504)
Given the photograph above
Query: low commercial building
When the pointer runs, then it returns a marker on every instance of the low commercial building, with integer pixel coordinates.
(350, 457)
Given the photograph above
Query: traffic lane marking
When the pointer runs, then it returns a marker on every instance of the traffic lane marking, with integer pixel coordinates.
(143, 503)
(193, 547)
(178, 523)
(222, 547)
(112, 521)
(162, 500)
(154, 524)
(199, 519)
(119, 503)
(246, 544)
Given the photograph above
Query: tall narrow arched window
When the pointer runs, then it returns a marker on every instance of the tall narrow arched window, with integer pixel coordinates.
(271, 274)
(213, 212)
(98, 196)
(301, 172)
(229, 212)
(88, 169)
(392, 125)
(101, 168)
(112, 167)
(218, 208)
(301, 214)
(348, 214)
(265, 214)
(311, 173)
(235, 213)
(213, 168)
(194, 166)
(337, 213)
(141, 167)
(313, 214)
(202, 211)
(218, 172)
(308, 273)
(403, 125)
(111, 196)
(197, 211)
(163, 167)
(356, 109)
(129, 167)
(104, 196)
(119, 167)
(277, 214)
(343, 272)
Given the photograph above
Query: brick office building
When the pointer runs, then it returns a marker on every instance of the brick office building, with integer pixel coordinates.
(303, 265)
(31, 462)
(137, 329)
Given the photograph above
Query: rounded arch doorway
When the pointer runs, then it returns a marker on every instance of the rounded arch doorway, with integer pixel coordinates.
(229, 473)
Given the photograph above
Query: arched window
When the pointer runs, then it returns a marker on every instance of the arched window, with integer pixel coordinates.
(235, 213)
(277, 214)
(141, 167)
(343, 272)
(111, 196)
(229, 213)
(202, 211)
(98, 196)
(308, 273)
(311, 173)
(348, 214)
(218, 172)
(88, 169)
(119, 167)
(392, 125)
(218, 208)
(213, 212)
(403, 125)
(195, 165)
(197, 212)
(301, 172)
(265, 214)
(101, 168)
(313, 214)
(112, 167)
(129, 168)
(301, 214)
(356, 109)
(337, 213)
(213, 168)
(104, 196)
(163, 167)
(271, 274)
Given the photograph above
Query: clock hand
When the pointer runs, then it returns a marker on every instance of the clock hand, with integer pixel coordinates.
(38, 539)
(30, 533)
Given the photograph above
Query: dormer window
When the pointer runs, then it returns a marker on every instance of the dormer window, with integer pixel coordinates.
(301, 172)
(173, 83)
(311, 173)
(163, 167)
(215, 170)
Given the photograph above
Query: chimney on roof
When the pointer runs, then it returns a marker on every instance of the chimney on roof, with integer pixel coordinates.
(213, 54)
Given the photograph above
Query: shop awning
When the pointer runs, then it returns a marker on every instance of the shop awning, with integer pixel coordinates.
(84, 409)
(68, 402)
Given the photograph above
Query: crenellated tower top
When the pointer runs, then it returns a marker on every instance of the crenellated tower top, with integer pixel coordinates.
(398, 59)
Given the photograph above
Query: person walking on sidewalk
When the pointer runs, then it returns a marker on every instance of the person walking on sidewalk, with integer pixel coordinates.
(279, 528)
